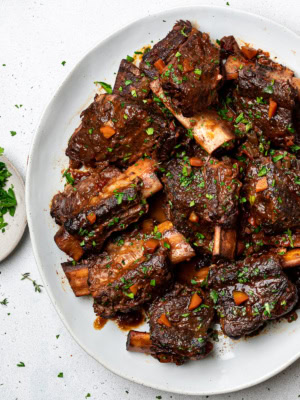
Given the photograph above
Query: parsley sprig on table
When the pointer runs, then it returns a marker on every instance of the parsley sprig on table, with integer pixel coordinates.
(8, 200)
(37, 287)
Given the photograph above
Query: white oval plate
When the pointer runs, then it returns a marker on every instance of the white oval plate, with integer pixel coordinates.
(16, 224)
(232, 365)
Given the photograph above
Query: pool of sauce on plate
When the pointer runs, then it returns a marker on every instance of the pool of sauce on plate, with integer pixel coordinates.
(125, 322)
(129, 320)
(99, 323)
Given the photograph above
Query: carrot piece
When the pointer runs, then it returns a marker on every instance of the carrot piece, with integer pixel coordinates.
(159, 65)
(196, 162)
(164, 226)
(272, 108)
(107, 131)
(151, 245)
(202, 273)
(239, 297)
(252, 221)
(193, 217)
(195, 301)
(147, 226)
(163, 320)
(291, 258)
(249, 52)
(261, 185)
(134, 288)
(187, 66)
(91, 217)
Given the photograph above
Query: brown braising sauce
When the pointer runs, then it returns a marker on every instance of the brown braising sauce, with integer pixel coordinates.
(99, 323)
(125, 322)
(128, 321)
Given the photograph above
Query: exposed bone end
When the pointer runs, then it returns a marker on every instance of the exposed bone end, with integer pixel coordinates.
(180, 248)
(224, 243)
(78, 278)
(232, 67)
(208, 129)
(68, 244)
(291, 258)
(138, 342)
(145, 169)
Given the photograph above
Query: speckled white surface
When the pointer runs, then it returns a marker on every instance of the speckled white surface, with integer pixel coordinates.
(35, 37)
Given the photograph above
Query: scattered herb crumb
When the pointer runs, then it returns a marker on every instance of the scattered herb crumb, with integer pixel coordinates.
(158, 397)
(37, 287)
(63, 63)
(1, 151)
(227, 3)
(13, 133)
(60, 375)
(88, 395)
(57, 336)
(4, 302)
(21, 364)
(18, 105)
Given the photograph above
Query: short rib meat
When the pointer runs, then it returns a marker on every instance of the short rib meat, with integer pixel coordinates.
(119, 130)
(266, 92)
(131, 82)
(250, 292)
(202, 198)
(178, 326)
(121, 202)
(272, 192)
(125, 281)
(166, 48)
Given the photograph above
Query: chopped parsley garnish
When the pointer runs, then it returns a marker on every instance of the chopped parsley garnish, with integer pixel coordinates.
(214, 296)
(263, 171)
(60, 375)
(63, 63)
(105, 86)
(129, 58)
(277, 158)
(21, 364)
(150, 131)
(8, 200)
(13, 133)
(268, 89)
(69, 178)
(4, 302)
(119, 196)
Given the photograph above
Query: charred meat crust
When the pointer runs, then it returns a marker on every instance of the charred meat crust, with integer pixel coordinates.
(192, 75)
(186, 337)
(270, 293)
(277, 207)
(165, 48)
(68, 203)
(210, 192)
(118, 130)
(150, 278)
(131, 82)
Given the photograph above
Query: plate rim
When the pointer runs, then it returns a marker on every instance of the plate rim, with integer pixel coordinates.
(38, 260)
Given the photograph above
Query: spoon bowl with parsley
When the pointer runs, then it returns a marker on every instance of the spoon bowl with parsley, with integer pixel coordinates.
(12, 207)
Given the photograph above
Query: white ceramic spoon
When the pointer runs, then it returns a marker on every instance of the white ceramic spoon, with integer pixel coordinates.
(16, 224)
